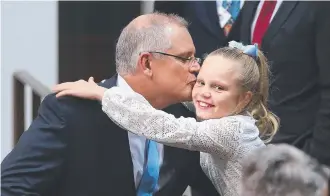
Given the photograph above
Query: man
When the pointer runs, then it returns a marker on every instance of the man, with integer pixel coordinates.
(73, 149)
(212, 23)
(295, 38)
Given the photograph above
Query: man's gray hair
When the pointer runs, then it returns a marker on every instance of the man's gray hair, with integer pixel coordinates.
(282, 170)
(154, 35)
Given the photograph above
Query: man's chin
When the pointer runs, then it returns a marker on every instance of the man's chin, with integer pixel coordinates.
(186, 98)
(189, 99)
(188, 95)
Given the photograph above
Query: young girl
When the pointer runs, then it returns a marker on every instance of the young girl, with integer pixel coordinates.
(230, 99)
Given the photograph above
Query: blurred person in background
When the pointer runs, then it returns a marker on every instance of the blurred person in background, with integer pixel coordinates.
(283, 170)
(212, 24)
(73, 149)
(295, 36)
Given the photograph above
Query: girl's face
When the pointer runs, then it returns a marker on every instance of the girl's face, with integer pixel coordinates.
(217, 92)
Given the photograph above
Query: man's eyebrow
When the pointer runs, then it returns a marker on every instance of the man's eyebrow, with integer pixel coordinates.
(186, 54)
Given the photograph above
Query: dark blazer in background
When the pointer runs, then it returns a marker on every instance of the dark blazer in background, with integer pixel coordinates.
(203, 21)
(73, 149)
(297, 44)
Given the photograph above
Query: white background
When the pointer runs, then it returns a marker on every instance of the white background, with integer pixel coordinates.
(28, 42)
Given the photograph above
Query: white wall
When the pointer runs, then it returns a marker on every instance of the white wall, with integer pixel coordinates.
(29, 42)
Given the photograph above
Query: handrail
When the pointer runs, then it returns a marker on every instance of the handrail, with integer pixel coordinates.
(35, 84)
(39, 91)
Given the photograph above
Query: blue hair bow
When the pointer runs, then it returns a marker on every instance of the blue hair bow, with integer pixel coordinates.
(251, 50)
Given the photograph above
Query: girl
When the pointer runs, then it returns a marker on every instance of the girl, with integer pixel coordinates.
(230, 99)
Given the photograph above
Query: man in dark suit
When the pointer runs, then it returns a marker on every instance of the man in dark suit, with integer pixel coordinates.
(72, 148)
(211, 23)
(295, 38)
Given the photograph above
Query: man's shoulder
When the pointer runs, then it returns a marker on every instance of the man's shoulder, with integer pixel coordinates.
(81, 116)
(69, 105)
(66, 100)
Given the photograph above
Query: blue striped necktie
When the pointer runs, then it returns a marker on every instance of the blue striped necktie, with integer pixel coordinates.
(149, 179)
(233, 7)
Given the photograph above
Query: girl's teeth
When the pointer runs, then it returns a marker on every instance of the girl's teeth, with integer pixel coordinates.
(203, 104)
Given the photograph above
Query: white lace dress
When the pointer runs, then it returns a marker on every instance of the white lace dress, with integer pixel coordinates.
(222, 142)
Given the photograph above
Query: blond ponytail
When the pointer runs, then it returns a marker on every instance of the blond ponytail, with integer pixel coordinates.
(266, 121)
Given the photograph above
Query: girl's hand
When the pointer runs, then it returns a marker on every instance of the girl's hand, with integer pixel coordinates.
(80, 88)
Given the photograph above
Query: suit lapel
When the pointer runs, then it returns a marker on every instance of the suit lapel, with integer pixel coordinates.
(108, 83)
(123, 144)
(207, 14)
(280, 17)
(248, 13)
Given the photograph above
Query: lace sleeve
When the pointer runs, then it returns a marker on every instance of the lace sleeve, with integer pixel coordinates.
(133, 112)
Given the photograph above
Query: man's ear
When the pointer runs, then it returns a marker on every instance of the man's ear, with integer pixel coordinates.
(144, 64)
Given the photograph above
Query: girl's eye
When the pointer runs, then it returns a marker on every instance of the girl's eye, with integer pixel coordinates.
(217, 87)
(200, 83)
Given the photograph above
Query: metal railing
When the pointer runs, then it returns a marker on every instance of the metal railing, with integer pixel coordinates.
(39, 91)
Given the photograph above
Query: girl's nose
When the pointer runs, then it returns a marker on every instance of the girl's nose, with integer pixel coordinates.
(206, 93)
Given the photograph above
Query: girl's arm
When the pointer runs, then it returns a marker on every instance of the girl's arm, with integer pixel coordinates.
(134, 113)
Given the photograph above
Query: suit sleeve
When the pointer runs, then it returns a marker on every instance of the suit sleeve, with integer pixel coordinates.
(319, 144)
(35, 163)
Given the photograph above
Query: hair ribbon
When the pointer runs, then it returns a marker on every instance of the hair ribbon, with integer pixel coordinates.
(251, 50)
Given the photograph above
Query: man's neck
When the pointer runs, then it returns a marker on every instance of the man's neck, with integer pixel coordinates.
(140, 85)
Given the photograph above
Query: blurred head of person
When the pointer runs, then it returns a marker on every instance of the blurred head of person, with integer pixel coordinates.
(155, 55)
(232, 82)
(283, 170)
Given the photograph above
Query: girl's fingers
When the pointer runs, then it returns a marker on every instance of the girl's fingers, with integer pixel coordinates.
(62, 86)
(65, 93)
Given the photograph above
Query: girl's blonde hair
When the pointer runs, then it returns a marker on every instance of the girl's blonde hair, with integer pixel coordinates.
(255, 78)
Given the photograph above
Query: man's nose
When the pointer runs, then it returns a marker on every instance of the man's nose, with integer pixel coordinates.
(194, 68)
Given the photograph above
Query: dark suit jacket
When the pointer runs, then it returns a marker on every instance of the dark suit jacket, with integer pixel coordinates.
(203, 21)
(73, 149)
(297, 44)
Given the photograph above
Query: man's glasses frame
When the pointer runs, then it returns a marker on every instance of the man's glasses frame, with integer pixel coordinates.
(190, 60)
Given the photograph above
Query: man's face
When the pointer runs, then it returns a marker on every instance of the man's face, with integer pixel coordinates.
(174, 77)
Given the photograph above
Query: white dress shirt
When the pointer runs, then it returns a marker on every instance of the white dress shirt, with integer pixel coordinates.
(137, 144)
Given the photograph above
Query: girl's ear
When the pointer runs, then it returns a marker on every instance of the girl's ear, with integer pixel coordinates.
(245, 99)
